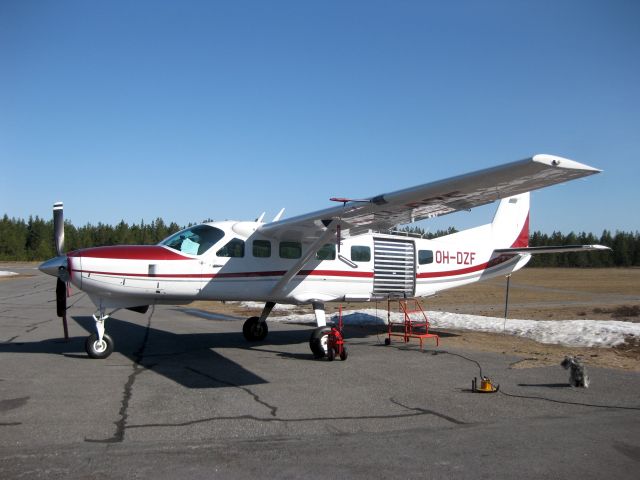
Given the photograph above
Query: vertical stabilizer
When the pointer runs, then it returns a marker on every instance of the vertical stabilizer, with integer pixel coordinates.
(510, 226)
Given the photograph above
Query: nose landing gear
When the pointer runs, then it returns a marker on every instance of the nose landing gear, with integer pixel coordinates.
(99, 345)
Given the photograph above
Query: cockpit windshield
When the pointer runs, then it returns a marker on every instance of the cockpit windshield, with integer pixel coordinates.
(194, 240)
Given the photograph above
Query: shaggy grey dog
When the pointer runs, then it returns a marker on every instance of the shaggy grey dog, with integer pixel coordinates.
(577, 372)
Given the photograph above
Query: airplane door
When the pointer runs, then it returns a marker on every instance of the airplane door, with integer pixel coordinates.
(394, 272)
(176, 278)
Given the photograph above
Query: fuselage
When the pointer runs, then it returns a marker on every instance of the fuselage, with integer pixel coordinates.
(232, 261)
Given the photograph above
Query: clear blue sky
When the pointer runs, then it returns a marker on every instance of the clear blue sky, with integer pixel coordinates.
(189, 110)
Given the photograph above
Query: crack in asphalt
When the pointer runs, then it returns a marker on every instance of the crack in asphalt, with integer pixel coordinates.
(30, 328)
(36, 325)
(231, 384)
(138, 368)
(415, 412)
(430, 412)
(22, 295)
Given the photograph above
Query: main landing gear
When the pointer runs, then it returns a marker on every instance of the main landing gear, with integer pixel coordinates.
(327, 341)
(321, 341)
(99, 345)
(255, 329)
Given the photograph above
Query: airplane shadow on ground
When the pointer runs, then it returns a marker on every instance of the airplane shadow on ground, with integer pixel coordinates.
(188, 359)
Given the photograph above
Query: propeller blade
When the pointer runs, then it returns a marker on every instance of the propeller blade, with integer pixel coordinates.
(58, 227)
(61, 298)
(61, 305)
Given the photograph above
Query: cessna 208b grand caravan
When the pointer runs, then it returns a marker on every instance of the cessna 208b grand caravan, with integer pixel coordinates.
(338, 254)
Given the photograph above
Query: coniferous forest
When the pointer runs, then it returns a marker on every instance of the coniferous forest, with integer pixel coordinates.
(32, 239)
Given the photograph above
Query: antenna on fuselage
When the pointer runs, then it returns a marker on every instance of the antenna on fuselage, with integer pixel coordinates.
(278, 216)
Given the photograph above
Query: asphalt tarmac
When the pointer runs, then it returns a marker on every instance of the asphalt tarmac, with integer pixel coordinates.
(186, 397)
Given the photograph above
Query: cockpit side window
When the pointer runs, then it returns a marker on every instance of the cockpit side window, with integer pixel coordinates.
(194, 240)
(233, 249)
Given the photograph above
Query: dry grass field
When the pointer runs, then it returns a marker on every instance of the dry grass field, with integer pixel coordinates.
(550, 294)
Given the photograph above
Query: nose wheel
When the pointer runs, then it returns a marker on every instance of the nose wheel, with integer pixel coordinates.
(99, 345)
(98, 348)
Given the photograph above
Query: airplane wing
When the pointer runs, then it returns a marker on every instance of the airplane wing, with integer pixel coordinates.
(463, 192)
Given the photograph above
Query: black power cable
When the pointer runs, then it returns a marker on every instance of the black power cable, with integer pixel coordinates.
(438, 352)
(532, 397)
(619, 407)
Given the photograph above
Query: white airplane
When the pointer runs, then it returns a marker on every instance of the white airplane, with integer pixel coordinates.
(333, 255)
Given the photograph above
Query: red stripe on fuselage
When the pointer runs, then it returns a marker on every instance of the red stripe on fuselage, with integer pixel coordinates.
(279, 273)
(131, 252)
(462, 271)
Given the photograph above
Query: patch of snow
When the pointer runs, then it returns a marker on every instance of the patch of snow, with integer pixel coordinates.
(260, 305)
(577, 333)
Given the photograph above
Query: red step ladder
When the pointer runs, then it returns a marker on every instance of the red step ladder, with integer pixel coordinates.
(415, 324)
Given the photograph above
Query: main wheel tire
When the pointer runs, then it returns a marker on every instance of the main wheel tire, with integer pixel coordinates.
(318, 341)
(97, 349)
(344, 354)
(254, 330)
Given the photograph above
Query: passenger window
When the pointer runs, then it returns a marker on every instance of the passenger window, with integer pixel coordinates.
(290, 249)
(425, 257)
(360, 253)
(327, 252)
(234, 249)
(261, 248)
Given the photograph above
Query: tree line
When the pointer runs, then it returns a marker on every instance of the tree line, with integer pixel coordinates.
(32, 239)
(625, 246)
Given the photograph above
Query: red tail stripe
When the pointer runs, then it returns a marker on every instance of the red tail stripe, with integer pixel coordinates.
(523, 238)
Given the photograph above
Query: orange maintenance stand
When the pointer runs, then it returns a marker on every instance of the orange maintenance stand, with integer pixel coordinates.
(415, 324)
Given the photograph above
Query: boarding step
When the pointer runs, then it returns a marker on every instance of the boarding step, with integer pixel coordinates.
(415, 322)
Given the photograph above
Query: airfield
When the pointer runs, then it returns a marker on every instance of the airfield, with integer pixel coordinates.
(186, 396)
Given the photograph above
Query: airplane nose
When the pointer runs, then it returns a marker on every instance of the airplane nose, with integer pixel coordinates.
(52, 266)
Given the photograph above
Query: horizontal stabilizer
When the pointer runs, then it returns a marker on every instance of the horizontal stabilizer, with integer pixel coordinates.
(552, 249)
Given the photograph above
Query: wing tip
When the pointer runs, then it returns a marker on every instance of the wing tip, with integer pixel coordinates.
(562, 162)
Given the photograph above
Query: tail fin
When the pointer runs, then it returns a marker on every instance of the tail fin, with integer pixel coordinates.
(510, 226)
